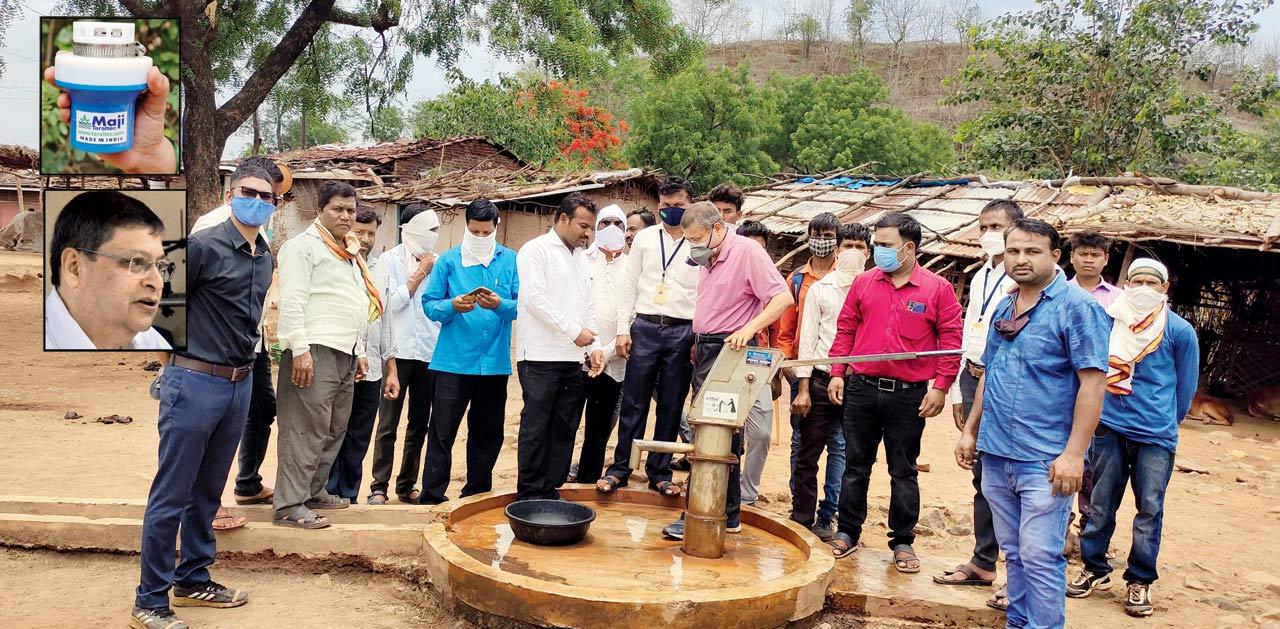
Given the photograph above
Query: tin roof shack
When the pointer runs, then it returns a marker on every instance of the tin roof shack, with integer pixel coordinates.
(405, 160)
(526, 198)
(1219, 243)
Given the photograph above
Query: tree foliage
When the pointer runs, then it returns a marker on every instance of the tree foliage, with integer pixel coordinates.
(1089, 87)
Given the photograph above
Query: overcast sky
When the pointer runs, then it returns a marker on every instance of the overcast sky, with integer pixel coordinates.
(19, 84)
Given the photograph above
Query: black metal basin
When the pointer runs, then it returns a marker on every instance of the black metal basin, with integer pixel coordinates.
(549, 522)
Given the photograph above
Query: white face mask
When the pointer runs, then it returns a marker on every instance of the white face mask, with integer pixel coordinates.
(849, 263)
(992, 243)
(478, 250)
(1144, 299)
(611, 238)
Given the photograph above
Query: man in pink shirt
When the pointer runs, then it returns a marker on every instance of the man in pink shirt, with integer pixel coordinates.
(1089, 257)
(896, 307)
(740, 293)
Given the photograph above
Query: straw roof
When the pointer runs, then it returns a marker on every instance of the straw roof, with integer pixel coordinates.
(18, 157)
(1125, 208)
(380, 153)
(462, 187)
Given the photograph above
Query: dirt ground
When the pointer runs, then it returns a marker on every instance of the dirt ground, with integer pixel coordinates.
(1218, 559)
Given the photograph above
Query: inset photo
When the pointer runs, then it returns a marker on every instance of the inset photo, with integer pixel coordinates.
(115, 270)
(109, 96)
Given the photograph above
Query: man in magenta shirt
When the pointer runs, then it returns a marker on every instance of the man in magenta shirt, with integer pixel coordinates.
(896, 307)
(740, 293)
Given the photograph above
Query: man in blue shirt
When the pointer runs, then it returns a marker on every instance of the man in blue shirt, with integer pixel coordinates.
(473, 355)
(1034, 412)
(1154, 365)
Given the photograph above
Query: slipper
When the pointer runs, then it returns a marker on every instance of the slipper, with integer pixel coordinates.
(376, 498)
(970, 577)
(409, 498)
(842, 546)
(908, 554)
(608, 484)
(225, 520)
(666, 488)
(309, 521)
(999, 601)
(262, 497)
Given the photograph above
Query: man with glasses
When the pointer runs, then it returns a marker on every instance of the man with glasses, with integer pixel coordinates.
(327, 300)
(204, 398)
(107, 266)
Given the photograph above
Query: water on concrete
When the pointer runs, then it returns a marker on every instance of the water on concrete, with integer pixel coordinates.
(625, 547)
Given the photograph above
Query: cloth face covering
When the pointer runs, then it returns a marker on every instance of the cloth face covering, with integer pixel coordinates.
(611, 239)
(822, 247)
(478, 250)
(671, 215)
(849, 264)
(420, 236)
(992, 243)
(1140, 316)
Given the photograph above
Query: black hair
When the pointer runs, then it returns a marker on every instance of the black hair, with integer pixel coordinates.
(339, 189)
(671, 185)
(409, 211)
(1090, 238)
(753, 229)
(90, 219)
(274, 174)
(726, 193)
(908, 228)
(645, 215)
(855, 231)
(825, 220)
(482, 210)
(250, 171)
(571, 203)
(1008, 206)
(366, 215)
(1037, 226)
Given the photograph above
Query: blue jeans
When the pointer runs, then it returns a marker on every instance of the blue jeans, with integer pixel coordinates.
(1031, 525)
(830, 503)
(201, 418)
(1118, 461)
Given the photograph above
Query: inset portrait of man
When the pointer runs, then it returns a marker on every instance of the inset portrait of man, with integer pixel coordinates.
(107, 267)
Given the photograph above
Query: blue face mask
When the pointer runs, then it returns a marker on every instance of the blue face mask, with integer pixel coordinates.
(887, 259)
(253, 212)
(671, 215)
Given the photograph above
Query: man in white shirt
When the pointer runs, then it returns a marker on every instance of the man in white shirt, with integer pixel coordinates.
(555, 333)
(987, 287)
(348, 467)
(327, 299)
(660, 289)
(819, 423)
(107, 267)
(603, 386)
(401, 276)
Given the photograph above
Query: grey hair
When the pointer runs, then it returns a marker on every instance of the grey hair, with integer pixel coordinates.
(704, 213)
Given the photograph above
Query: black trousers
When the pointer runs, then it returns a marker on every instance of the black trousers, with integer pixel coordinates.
(257, 428)
(417, 382)
(344, 477)
(985, 548)
(871, 415)
(600, 401)
(548, 424)
(487, 397)
(659, 359)
(705, 351)
(815, 431)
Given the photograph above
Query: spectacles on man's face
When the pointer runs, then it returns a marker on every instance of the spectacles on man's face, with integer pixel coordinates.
(139, 266)
(249, 193)
(609, 222)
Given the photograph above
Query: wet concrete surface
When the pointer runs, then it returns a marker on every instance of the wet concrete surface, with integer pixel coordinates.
(625, 546)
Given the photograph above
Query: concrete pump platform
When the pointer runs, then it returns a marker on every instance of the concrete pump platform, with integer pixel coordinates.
(625, 574)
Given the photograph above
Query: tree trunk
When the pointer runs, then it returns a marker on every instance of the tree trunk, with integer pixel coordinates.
(302, 130)
(257, 134)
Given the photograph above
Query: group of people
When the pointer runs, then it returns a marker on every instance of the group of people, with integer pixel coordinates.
(612, 312)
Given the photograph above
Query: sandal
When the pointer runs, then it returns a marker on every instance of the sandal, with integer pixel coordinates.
(999, 600)
(608, 484)
(666, 488)
(969, 573)
(377, 498)
(842, 546)
(410, 498)
(225, 520)
(903, 555)
(311, 520)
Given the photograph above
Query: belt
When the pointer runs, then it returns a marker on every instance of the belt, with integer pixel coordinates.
(717, 339)
(890, 385)
(975, 369)
(663, 320)
(234, 374)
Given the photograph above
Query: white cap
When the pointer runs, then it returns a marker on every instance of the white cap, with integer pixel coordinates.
(1149, 266)
(102, 32)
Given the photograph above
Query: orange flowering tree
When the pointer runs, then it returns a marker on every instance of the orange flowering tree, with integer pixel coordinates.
(586, 135)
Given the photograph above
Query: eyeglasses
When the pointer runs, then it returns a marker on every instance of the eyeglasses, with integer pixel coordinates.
(249, 193)
(139, 266)
(609, 222)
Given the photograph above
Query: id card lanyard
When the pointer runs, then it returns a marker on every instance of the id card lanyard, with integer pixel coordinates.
(660, 291)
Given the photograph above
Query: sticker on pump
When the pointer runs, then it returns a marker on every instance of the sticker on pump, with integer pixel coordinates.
(718, 405)
(101, 128)
(759, 358)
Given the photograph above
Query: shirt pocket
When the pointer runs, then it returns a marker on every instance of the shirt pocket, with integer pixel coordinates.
(915, 326)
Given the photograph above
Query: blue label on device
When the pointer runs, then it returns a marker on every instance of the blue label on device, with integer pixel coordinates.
(759, 358)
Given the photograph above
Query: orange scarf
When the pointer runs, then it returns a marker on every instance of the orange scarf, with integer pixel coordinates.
(345, 253)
